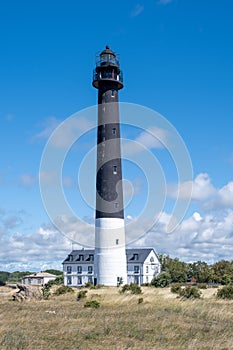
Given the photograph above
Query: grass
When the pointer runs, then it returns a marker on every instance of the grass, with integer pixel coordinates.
(161, 322)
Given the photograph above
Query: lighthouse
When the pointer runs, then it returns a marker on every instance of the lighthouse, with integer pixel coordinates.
(110, 254)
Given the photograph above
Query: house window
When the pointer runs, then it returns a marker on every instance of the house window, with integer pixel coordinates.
(69, 280)
(69, 269)
(113, 93)
(114, 169)
(135, 257)
(70, 258)
(147, 269)
(79, 269)
(136, 279)
(147, 279)
(91, 257)
(116, 205)
(136, 269)
(90, 279)
(80, 280)
(117, 241)
(114, 131)
(90, 269)
(81, 257)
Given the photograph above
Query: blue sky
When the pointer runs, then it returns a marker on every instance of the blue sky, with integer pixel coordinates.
(176, 56)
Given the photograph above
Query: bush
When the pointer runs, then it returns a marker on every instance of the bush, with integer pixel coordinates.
(225, 292)
(98, 286)
(81, 295)
(63, 290)
(190, 292)
(93, 304)
(58, 281)
(162, 280)
(140, 300)
(202, 286)
(46, 293)
(176, 288)
(88, 284)
(133, 288)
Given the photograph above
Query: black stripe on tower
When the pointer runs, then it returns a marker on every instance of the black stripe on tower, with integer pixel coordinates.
(107, 78)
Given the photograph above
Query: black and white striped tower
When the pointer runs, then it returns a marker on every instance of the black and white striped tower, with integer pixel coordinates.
(110, 255)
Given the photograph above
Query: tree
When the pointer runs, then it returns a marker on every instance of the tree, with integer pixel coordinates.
(162, 280)
(221, 268)
(200, 271)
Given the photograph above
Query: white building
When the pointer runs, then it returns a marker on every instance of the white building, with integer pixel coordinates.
(38, 279)
(142, 266)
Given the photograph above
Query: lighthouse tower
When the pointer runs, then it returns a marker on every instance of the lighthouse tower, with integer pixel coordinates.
(110, 255)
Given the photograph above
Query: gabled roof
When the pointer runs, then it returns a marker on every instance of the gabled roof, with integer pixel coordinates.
(40, 275)
(133, 255)
(138, 255)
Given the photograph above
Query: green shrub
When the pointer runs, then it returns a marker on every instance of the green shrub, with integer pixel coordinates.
(82, 294)
(176, 288)
(98, 286)
(93, 304)
(46, 293)
(133, 288)
(225, 292)
(140, 300)
(190, 292)
(202, 286)
(63, 290)
(88, 284)
(162, 280)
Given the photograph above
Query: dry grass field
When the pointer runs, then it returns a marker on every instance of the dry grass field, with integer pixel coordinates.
(160, 322)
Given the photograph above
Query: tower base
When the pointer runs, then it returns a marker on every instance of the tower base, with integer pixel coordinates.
(110, 255)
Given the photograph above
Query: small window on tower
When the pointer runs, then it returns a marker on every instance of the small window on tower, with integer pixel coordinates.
(114, 131)
(113, 93)
(117, 241)
(114, 169)
(116, 205)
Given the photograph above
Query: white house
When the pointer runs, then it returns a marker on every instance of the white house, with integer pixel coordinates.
(38, 279)
(142, 266)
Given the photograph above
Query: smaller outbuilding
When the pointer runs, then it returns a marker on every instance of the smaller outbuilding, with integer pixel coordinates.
(38, 279)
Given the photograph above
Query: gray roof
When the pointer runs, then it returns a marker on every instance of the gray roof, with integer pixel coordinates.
(76, 256)
(133, 255)
(137, 255)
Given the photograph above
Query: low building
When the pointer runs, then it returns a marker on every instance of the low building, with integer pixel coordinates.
(38, 279)
(142, 266)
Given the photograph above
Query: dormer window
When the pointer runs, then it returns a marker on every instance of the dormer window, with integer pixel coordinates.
(114, 169)
(135, 256)
(80, 257)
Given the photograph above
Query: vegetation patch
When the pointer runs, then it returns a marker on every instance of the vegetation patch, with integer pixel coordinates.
(190, 292)
(92, 304)
(63, 290)
(176, 288)
(132, 288)
(225, 292)
(82, 294)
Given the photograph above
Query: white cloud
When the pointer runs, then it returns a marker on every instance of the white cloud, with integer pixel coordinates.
(201, 186)
(207, 237)
(137, 10)
(151, 138)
